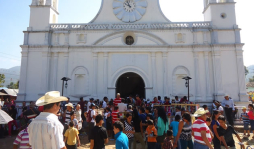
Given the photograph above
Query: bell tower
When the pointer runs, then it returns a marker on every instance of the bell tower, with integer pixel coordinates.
(220, 12)
(42, 13)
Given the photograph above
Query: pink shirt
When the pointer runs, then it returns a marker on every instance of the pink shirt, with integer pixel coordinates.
(251, 116)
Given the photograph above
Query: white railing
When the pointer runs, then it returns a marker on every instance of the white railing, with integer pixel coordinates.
(131, 26)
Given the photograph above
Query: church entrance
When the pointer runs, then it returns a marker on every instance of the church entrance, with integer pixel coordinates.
(130, 84)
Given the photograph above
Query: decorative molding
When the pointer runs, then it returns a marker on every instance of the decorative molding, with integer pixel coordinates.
(117, 34)
(180, 37)
(81, 38)
(155, 26)
(126, 69)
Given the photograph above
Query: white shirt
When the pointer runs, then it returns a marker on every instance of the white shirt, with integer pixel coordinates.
(46, 132)
(88, 105)
(104, 105)
(78, 115)
(93, 114)
(122, 107)
(229, 102)
(220, 108)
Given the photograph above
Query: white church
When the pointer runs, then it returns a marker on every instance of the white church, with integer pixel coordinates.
(130, 47)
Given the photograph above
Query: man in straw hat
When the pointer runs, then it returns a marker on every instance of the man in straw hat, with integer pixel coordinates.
(200, 130)
(46, 131)
(229, 108)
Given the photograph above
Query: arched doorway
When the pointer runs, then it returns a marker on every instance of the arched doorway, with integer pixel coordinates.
(130, 84)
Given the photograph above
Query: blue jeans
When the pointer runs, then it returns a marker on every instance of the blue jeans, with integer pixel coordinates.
(104, 124)
(252, 124)
(130, 143)
(200, 146)
(185, 144)
(151, 145)
(246, 126)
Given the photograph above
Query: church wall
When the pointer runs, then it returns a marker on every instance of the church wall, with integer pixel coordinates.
(100, 87)
(226, 36)
(229, 72)
(202, 76)
(80, 58)
(39, 18)
(178, 60)
(33, 75)
(159, 71)
(36, 38)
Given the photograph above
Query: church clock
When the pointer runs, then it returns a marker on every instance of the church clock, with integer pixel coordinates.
(129, 10)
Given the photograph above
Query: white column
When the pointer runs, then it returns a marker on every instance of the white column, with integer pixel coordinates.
(66, 62)
(154, 72)
(205, 41)
(197, 81)
(45, 72)
(95, 74)
(66, 38)
(23, 74)
(105, 73)
(217, 73)
(46, 38)
(207, 73)
(55, 71)
(56, 39)
(194, 37)
(165, 81)
(241, 75)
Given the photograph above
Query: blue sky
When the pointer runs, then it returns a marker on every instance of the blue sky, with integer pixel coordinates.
(14, 18)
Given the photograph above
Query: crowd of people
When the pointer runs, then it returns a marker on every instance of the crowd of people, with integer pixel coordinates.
(154, 124)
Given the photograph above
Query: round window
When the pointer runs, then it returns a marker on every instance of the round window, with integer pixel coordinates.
(129, 40)
(223, 15)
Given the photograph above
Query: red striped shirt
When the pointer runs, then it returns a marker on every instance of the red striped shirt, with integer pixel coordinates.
(117, 101)
(115, 116)
(198, 126)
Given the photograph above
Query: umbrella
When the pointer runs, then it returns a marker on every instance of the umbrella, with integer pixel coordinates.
(4, 117)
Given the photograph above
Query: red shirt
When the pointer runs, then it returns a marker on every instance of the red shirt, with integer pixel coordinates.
(251, 116)
(156, 102)
(117, 101)
(138, 103)
(115, 116)
(198, 126)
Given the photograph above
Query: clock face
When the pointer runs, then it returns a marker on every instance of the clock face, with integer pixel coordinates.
(129, 10)
(129, 6)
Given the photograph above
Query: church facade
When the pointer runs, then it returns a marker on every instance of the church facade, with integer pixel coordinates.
(132, 48)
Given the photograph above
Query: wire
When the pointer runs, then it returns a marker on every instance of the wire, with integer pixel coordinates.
(9, 54)
(10, 58)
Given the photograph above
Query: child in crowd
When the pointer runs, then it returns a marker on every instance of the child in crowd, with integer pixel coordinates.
(174, 125)
(151, 133)
(208, 121)
(245, 118)
(226, 134)
(178, 112)
(168, 140)
(74, 120)
(71, 136)
(251, 117)
(22, 139)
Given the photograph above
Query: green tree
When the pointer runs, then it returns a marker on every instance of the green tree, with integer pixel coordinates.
(13, 85)
(2, 79)
(17, 85)
(251, 79)
(246, 70)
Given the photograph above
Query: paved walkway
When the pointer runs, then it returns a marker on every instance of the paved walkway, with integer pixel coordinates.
(6, 143)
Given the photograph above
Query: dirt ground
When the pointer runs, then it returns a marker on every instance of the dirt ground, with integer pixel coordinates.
(6, 143)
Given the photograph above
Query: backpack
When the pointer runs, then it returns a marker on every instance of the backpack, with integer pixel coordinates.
(89, 118)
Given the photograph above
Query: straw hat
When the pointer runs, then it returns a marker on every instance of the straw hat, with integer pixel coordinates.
(50, 97)
(200, 112)
(69, 104)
